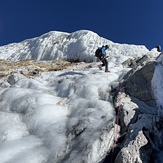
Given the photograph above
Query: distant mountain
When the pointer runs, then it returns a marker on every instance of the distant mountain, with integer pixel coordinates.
(79, 45)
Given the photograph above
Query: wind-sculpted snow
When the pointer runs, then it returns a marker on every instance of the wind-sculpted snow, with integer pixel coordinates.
(63, 116)
(78, 46)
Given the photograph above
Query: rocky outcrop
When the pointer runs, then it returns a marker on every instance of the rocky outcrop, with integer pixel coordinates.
(130, 153)
(141, 129)
(135, 63)
(138, 84)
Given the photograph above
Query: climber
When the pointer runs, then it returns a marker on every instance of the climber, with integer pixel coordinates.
(158, 48)
(160, 53)
(101, 55)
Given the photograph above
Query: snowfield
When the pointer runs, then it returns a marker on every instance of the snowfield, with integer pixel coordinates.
(63, 116)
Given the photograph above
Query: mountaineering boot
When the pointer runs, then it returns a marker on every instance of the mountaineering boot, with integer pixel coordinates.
(100, 67)
(107, 71)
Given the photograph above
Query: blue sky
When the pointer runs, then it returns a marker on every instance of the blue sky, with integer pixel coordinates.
(136, 22)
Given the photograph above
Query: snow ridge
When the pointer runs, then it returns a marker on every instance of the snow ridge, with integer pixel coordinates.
(79, 45)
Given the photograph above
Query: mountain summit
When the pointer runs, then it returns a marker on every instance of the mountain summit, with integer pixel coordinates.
(76, 46)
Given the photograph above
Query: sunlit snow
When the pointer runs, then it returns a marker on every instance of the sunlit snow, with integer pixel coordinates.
(38, 116)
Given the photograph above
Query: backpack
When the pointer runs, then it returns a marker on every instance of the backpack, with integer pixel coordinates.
(98, 52)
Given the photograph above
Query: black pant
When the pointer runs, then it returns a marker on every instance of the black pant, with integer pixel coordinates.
(105, 63)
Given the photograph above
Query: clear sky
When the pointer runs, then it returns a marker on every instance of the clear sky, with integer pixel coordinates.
(136, 22)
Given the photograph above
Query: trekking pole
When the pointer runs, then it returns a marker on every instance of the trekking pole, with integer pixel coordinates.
(104, 58)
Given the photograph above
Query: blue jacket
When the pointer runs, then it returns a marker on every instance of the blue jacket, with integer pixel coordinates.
(103, 50)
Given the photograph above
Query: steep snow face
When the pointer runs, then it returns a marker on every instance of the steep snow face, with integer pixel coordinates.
(39, 48)
(79, 45)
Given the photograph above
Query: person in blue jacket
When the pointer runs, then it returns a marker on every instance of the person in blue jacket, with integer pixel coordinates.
(103, 58)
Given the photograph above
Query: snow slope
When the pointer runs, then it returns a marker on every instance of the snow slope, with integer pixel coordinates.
(62, 116)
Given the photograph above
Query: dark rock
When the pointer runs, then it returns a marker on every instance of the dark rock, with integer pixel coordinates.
(138, 84)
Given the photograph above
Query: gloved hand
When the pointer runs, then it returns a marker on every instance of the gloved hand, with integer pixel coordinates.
(102, 57)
